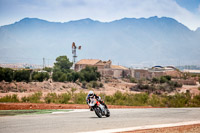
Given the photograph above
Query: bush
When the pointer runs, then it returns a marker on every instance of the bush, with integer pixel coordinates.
(156, 101)
(128, 99)
(178, 100)
(89, 74)
(64, 98)
(34, 98)
(22, 75)
(6, 74)
(59, 76)
(132, 80)
(84, 83)
(40, 76)
(163, 79)
(195, 102)
(155, 80)
(10, 98)
(51, 98)
(73, 76)
(101, 85)
(54, 98)
(80, 98)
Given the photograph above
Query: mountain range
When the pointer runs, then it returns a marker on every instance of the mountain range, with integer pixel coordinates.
(127, 42)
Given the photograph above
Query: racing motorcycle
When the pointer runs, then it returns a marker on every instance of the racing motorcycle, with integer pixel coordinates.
(98, 108)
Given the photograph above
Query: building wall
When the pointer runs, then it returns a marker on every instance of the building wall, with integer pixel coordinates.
(149, 74)
(99, 65)
(114, 73)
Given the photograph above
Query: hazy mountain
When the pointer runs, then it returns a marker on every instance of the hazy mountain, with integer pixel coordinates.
(128, 41)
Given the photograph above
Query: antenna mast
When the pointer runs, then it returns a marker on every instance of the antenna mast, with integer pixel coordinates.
(74, 53)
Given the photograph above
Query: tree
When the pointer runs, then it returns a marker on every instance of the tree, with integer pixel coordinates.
(61, 69)
(6, 74)
(63, 64)
(22, 75)
(48, 69)
(89, 74)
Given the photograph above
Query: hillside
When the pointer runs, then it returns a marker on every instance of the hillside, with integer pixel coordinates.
(127, 41)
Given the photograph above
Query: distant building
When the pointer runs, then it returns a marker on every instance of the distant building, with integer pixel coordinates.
(156, 71)
(192, 71)
(105, 68)
(92, 62)
(115, 71)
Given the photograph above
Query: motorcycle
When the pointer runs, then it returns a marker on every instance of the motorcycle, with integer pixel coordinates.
(99, 109)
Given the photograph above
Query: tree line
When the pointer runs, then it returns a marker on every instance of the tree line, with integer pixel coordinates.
(62, 72)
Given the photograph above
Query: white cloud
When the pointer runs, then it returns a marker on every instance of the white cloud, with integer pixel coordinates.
(105, 10)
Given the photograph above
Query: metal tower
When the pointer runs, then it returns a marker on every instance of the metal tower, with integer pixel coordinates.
(74, 53)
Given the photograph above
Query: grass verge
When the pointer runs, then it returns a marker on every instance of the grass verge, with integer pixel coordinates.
(28, 112)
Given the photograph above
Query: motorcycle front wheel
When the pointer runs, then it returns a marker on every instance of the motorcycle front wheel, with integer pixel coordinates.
(108, 113)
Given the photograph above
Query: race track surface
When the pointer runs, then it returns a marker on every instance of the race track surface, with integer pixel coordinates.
(87, 121)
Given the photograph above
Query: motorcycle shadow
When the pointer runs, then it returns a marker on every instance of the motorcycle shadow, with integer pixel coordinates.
(97, 117)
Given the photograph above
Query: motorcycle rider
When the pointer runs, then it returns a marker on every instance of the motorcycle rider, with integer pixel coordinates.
(98, 98)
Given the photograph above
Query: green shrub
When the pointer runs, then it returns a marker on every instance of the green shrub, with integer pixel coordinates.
(168, 77)
(40, 76)
(34, 98)
(155, 80)
(195, 102)
(80, 98)
(156, 101)
(64, 98)
(101, 85)
(163, 79)
(51, 98)
(94, 84)
(59, 76)
(178, 100)
(10, 98)
(84, 84)
(132, 80)
(22, 75)
(128, 99)
(55, 98)
(6, 74)
(89, 74)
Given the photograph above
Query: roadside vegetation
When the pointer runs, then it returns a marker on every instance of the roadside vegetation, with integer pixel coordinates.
(141, 99)
(158, 86)
(24, 75)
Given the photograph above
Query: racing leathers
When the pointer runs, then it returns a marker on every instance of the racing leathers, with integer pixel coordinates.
(98, 98)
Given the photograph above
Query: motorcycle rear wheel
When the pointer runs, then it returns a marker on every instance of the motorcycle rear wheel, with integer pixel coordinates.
(98, 112)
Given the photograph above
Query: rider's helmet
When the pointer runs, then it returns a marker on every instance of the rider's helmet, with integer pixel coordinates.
(91, 94)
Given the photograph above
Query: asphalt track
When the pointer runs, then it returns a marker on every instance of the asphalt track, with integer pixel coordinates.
(86, 121)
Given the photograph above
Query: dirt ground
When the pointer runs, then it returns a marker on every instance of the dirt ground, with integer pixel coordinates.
(179, 129)
(25, 106)
(25, 89)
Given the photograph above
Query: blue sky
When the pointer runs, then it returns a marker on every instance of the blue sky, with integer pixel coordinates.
(184, 11)
(191, 5)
